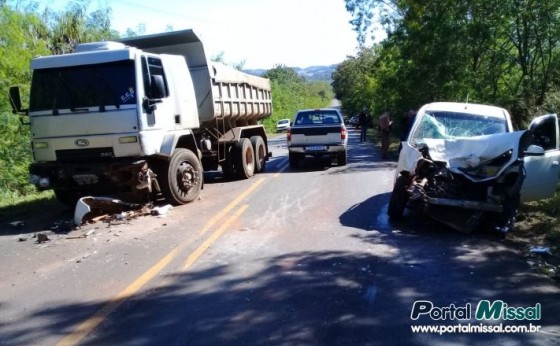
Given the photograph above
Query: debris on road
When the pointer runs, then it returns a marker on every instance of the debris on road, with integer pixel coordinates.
(41, 238)
(161, 211)
(17, 224)
(90, 207)
(21, 238)
(542, 250)
(61, 226)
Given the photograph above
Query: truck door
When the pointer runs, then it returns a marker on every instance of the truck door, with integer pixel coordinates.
(159, 109)
(542, 172)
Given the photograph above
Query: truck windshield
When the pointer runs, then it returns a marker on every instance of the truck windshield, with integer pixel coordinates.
(100, 85)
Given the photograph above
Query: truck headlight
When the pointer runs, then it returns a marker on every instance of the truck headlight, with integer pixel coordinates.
(40, 145)
(44, 182)
(34, 179)
(128, 139)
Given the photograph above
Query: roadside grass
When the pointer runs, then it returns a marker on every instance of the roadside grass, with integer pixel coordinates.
(537, 225)
(539, 221)
(15, 207)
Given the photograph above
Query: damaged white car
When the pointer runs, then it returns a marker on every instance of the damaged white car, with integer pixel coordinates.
(465, 166)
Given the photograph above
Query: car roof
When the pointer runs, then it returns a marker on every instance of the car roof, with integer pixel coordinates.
(459, 107)
(318, 109)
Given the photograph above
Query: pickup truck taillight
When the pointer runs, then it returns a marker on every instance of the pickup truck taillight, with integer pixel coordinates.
(289, 135)
(342, 133)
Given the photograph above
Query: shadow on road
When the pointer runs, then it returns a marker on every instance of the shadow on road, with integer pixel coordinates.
(306, 298)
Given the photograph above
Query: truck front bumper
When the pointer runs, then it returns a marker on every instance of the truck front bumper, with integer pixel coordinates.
(115, 175)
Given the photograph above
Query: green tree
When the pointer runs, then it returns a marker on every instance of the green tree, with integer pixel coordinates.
(504, 52)
(26, 33)
(291, 92)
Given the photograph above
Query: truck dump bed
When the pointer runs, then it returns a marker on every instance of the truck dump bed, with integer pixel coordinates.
(221, 92)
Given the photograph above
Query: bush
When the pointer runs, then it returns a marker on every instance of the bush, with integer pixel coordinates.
(15, 157)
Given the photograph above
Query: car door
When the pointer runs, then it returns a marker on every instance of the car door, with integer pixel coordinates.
(542, 171)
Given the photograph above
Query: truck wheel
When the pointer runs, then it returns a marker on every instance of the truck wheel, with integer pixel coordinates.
(294, 160)
(342, 158)
(67, 197)
(182, 182)
(260, 153)
(399, 198)
(244, 159)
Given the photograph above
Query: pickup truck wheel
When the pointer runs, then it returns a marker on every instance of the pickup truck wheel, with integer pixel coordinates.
(183, 180)
(399, 198)
(260, 153)
(244, 159)
(294, 160)
(342, 158)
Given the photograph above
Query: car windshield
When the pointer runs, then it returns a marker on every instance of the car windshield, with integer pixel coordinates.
(282, 122)
(317, 117)
(449, 125)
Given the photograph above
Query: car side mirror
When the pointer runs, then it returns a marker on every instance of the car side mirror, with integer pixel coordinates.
(534, 150)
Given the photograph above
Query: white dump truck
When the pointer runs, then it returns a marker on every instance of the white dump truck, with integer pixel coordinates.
(141, 117)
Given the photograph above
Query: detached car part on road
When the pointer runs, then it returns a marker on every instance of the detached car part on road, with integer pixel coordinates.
(317, 132)
(463, 165)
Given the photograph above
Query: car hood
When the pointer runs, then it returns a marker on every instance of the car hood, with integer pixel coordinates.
(463, 155)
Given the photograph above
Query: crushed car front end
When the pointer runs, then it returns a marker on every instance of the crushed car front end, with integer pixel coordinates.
(461, 171)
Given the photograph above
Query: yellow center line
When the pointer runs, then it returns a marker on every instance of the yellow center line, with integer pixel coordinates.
(88, 325)
(208, 242)
(231, 205)
(91, 323)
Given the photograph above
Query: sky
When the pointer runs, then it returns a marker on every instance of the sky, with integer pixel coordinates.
(262, 33)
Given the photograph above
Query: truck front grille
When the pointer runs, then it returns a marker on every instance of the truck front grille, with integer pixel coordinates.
(76, 155)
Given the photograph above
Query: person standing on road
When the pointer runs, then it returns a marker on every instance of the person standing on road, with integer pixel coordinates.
(363, 122)
(384, 124)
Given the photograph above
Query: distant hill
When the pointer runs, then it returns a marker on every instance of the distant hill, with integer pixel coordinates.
(309, 73)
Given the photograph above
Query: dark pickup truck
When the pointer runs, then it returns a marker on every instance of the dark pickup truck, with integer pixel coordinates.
(317, 132)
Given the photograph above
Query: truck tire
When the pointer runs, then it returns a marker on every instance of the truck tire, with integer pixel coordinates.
(182, 181)
(399, 198)
(342, 158)
(260, 153)
(244, 159)
(294, 160)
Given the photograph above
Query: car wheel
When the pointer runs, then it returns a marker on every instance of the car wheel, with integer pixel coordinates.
(342, 158)
(294, 160)
(399, 198)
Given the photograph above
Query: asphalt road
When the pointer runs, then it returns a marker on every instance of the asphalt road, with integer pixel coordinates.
(289, 257)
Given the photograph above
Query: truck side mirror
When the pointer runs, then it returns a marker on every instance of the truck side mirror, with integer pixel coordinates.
(157, 87)
(15, 101)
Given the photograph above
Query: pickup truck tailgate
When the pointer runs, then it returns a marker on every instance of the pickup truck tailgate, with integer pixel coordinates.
(302, 135)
